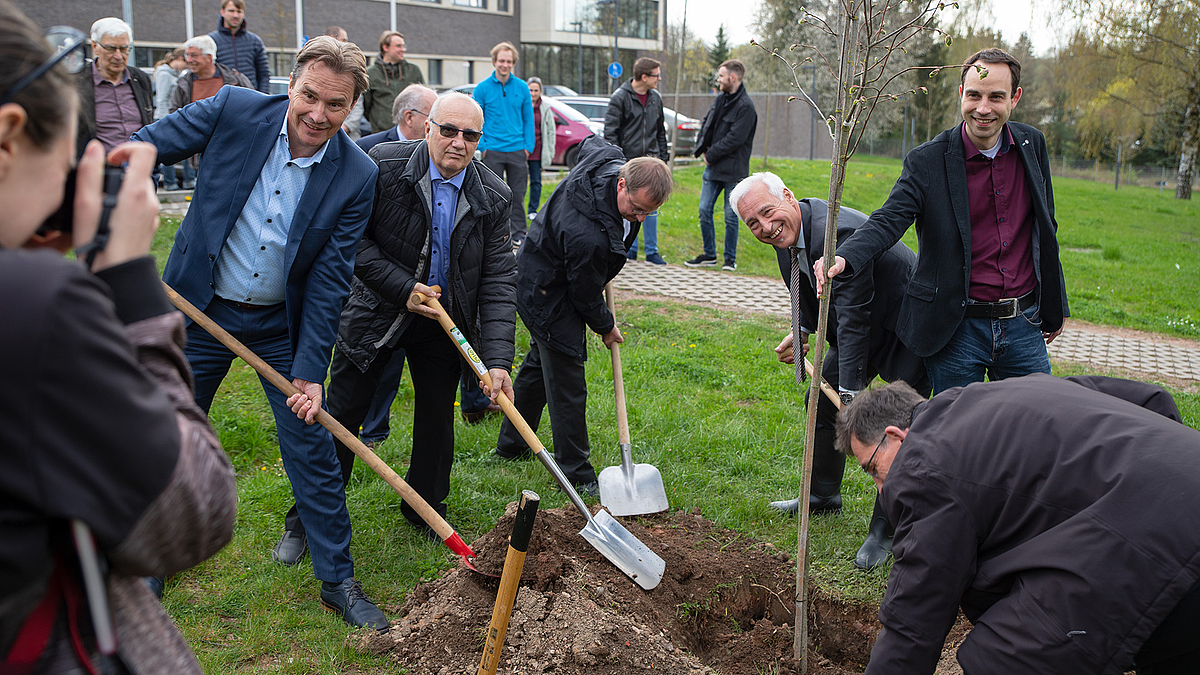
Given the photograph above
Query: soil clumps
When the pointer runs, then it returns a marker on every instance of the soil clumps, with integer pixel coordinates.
(725, 606)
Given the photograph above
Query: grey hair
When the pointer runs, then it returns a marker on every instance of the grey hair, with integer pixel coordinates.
(111, 25)
(873, 411)
(774, 185)
(204, 43)
(410, 98)
(453, 96)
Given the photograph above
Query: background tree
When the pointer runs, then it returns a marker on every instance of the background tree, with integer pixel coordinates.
(718, 54)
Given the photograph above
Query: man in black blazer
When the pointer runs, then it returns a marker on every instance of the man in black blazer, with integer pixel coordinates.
(861, 333)
(987, 294)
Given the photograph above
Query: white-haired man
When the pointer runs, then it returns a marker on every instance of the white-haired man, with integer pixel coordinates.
(205, 76)
(861, 335)
(115, 98)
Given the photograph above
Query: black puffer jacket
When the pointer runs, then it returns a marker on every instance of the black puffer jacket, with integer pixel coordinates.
(635, 128)
(575, 246)
(394, 255)
(727, 136)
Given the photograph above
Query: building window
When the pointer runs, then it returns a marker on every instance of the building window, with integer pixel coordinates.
(470, 72)
(435, 71)
(477, 4)
(638, 18)
(501, 5)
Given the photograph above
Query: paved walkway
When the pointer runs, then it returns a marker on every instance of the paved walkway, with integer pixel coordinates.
(1097, 348)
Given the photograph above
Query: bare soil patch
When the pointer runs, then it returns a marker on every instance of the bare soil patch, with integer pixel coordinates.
(725, 606)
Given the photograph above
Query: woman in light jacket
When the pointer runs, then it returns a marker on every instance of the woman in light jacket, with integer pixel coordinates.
(544, 130)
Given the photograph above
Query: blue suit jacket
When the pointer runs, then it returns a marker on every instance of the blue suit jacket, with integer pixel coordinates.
(236, 129)
(385, 136)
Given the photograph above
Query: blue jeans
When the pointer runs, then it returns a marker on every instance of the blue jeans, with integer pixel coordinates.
(308, 453)
(709, 190)
(650, 229)
(999, 348)
(170, 176)
(535, 185)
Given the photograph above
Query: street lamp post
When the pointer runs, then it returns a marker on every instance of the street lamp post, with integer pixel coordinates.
(616, 34)
(579, 51)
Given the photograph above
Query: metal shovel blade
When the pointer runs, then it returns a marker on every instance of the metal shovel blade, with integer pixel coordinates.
(624, 550)
(632, 489)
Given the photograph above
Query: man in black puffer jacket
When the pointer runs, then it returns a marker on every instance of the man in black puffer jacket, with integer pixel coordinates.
(440, 219)
(575, 246)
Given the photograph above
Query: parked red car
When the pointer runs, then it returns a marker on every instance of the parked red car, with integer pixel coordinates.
(572, 127)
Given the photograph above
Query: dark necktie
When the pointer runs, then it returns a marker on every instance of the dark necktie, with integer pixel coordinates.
(794, 290)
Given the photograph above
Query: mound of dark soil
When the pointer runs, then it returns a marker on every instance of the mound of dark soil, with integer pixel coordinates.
(725, 605)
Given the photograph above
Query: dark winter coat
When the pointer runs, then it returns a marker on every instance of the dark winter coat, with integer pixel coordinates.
(1059, 518)
(575, 246)
(862, 316)
(639, 130)
(932, 192)
(394, 255)
(143, 94)
(727, 136)
(244, 53)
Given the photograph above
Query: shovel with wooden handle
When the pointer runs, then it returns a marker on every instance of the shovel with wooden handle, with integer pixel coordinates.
(630, 489)
(602, 531)
(434, 520)
(514, 561)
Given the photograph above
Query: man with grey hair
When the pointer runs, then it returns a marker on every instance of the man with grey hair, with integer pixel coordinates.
(205, 76)
(861, 333)
(115, 99)
(410, 109)
(441, 220)
(267, 252)
(1056, 513)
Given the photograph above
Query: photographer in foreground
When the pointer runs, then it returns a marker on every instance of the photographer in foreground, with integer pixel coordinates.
(97, 421)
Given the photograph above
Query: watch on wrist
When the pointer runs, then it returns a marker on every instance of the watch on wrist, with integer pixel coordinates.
(847, 397)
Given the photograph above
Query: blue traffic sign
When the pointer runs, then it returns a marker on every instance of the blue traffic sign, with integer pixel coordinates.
(614, 70)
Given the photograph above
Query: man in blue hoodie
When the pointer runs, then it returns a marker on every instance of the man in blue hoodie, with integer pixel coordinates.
(508, 130)
(240, 49)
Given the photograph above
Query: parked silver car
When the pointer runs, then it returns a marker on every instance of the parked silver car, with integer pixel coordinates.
(689, 128)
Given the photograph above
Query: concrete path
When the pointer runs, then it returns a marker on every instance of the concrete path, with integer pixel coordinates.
(1166, 358)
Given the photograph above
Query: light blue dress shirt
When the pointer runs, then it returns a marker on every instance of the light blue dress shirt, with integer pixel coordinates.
(251, 266)
(445, 206)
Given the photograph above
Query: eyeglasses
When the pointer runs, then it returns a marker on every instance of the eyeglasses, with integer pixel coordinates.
(419, 113)
(639, 212)
(469, 135)
(124, 49)
(67, 44)
(867, 467)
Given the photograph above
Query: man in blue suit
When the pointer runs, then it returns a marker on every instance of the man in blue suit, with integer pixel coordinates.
(267, 251)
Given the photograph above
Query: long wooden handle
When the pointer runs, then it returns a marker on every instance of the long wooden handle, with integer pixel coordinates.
(829, 392)
(423, 509)
(514, 562)
(618, 378)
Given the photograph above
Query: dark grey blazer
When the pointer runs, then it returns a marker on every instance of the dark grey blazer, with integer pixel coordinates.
(932, 192)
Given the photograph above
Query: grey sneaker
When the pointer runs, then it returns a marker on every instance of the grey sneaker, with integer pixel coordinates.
(729, 265)
(702, 261)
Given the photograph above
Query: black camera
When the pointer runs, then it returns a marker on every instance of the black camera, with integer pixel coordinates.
(63, 220)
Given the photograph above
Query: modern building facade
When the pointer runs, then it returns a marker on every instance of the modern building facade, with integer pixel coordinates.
(448, 39)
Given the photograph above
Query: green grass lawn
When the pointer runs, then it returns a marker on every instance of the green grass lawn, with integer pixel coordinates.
(709, 406)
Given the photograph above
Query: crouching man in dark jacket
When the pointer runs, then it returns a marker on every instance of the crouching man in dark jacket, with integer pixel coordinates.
(575, 246)
(440, 219)
(1048, 511)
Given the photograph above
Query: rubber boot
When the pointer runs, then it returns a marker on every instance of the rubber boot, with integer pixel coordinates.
(878, 544)
(828, 466)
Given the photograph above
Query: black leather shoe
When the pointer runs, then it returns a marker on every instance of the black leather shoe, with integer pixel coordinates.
(878, 544)
(291, 548)
(349, 600)
(525, 453)
(588, 490)
(817, 505)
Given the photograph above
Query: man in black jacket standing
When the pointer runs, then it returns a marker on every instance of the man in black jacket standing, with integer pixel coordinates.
(1051, 511)
(861, 333)
(634, 122)
(576, 245)
(987, 294)
(440, 219)
(726, 139)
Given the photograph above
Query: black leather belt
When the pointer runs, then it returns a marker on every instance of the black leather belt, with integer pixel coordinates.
(246, 305)
(1005, 308)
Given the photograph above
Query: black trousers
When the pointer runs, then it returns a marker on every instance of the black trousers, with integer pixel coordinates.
(549, 377)
(513, 167)
(433, 365)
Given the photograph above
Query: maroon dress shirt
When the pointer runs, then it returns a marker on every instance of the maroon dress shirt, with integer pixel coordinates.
(117, 113)
(1001, 222)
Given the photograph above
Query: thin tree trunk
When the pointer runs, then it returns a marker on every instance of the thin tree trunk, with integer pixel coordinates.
(1191, 144)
